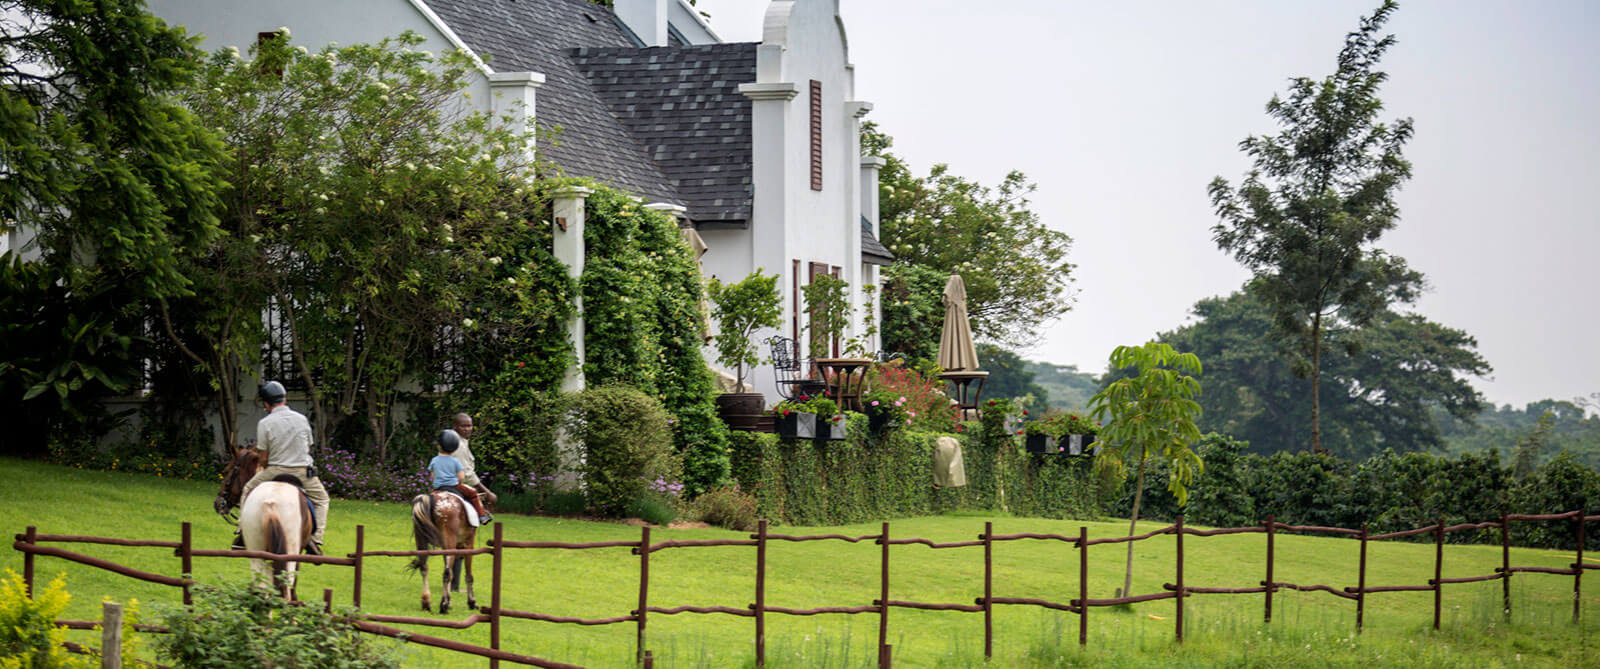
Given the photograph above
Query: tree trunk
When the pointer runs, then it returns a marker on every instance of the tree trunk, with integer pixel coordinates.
(1316, 379)
(1133, 523)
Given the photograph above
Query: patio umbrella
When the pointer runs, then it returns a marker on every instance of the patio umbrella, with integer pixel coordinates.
(956, 351)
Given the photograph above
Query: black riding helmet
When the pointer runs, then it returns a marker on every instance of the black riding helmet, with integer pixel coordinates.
(449, 441)
(271, 392)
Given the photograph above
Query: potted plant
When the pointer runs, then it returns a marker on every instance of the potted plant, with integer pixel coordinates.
(1040, 435)
(885, 411)
(1077, 434)
(830, 421)
(795, 419)
(740, 309)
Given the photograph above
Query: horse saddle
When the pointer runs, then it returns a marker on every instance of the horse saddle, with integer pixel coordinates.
(472, 513)
(291, 479)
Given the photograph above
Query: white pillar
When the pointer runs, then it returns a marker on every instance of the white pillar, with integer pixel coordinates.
(514, 97)
(567, 227)
(646, 18)
(871, 167)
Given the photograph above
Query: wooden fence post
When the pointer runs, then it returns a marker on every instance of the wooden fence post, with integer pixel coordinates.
(1438, 572)
(883, 603)
(186, 554)
(1083, 585)
(1179, 616)
(988, 589)
(27, 559)
(361, 540)
(327, 600)
(644, 593)
(1505, 562)
(1361, 582)
(1271, 532)
(110, 635)
(494, 591)
(1577, 569)
(761, 594)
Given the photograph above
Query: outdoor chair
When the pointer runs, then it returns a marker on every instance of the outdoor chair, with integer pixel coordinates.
(793, 376)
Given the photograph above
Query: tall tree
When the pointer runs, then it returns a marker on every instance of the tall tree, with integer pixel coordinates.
(1009, 376)
(1386, 383)
(113, 179)
(1014, 266)
(1305, 218)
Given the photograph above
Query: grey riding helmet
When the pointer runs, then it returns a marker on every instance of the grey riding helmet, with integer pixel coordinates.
(271, 392)
(449, 441)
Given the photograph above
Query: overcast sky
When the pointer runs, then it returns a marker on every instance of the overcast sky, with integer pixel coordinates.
(1122, 112)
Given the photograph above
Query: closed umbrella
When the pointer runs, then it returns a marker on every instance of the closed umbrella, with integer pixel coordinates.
(956, 351)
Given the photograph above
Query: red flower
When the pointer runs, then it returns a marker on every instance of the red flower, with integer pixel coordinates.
(1072, 417)
(519, 365)
(1024, 412)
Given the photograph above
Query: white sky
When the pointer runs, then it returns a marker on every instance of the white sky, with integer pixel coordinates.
(1122, 112)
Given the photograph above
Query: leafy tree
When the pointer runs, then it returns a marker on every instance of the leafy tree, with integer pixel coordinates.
(913, 310)
(1387, 382)
(372, 212)
(1009, 377)
(1321, 193)
(1068, 388)
(112, 177)
(740, 309)
(1015, 268)
(1151, 416)
(828, 304)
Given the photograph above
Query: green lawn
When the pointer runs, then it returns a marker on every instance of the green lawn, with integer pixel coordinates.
(1308, 628)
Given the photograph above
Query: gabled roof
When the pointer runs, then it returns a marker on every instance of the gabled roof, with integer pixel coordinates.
(873, 252)
(683, 105)
(536, 36)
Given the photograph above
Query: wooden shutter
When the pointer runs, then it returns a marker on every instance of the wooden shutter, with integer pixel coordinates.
(816, 135)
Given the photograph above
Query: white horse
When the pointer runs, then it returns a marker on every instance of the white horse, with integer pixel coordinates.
(274, 519)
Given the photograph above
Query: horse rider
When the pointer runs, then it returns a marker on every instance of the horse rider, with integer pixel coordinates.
(285, 436)
(469, 472)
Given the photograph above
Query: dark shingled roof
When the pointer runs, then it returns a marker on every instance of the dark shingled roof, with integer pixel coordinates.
(873, 252)
(683, 105)
(535, 36)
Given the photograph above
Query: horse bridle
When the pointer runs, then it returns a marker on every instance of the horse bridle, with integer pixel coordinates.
(229, 512)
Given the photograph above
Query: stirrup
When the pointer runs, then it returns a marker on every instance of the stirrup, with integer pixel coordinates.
(312, 548)
(238, 542)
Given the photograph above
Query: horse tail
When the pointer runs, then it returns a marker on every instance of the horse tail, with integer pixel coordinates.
(277, 541)
(422, 528)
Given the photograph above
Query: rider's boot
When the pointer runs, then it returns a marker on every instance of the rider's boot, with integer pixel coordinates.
(238, 541)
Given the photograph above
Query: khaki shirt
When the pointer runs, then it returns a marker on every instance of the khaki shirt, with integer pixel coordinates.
(469, 473)
(286, 437)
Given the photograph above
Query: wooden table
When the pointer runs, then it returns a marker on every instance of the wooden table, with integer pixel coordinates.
(845, 378)
(967, 397)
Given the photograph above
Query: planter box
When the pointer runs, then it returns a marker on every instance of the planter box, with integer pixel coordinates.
(796, 425)
(1041, 443)
(1079, 444)
(829, 430)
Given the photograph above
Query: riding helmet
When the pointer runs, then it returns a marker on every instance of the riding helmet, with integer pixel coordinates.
(449, 441)
(271, 392)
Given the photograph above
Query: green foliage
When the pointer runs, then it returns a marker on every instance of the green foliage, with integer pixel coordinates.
(1010, 377)
(921, 395)
(913, 310)
(741, 308)
(29, 637)
(1014, 266)
(1572, 428)
(1152, 415)
(1392, 383)
(1319, 195)
(238, 625)
(727, 507)
(380, 220)
(1563, 484)
(652, 510)
(1067, 388)
(1529, 449)
(828, 303)
(818, 404)
(515, 437)
(626, 443)
(642, 291)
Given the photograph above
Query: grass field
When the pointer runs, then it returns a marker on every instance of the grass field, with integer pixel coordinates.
(1308, 629)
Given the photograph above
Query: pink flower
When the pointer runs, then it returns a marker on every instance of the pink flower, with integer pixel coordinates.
(913, 413)
(874, 402)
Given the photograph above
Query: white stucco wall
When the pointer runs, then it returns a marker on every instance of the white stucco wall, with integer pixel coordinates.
(312, 24)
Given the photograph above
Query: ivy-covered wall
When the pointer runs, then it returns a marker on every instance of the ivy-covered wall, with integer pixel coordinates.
(866, 478)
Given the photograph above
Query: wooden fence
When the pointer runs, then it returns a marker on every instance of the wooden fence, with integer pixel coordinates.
(31, 543)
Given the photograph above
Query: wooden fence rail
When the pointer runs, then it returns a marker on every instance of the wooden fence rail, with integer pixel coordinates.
(30, 544)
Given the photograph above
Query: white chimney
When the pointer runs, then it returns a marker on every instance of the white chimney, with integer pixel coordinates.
(646, 18)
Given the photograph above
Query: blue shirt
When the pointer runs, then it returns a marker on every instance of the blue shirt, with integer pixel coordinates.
(445, 469)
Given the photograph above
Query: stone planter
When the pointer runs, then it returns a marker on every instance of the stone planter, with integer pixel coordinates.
(796, 425)
(831, 430)
(1078, 444)
(1041, 443)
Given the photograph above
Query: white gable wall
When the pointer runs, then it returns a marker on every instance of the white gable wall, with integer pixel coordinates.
(312, 24)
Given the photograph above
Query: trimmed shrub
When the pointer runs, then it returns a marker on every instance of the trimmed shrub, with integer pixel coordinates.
(29, 636)
(627, 443)
(727, 507)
